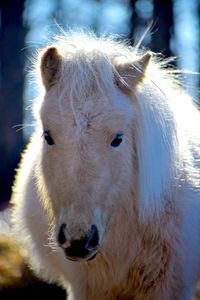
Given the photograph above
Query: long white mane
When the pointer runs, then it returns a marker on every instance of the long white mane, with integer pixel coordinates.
(167, 125)
(167, 135)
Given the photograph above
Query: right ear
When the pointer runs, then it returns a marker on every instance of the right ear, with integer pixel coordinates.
(132, 73)
(50, 66)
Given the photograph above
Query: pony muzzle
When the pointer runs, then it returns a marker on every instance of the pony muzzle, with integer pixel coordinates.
(84, 248)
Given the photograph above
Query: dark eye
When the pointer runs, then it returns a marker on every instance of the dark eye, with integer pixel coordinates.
(48, 138)
(117, 140)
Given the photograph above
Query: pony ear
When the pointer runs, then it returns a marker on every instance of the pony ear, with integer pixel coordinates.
(132, 73)
(50, 66)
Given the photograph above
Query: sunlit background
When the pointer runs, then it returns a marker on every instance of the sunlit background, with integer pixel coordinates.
(28, 24)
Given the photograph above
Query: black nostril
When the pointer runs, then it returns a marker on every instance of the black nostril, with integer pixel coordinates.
(83, 247)
(77, 249)
(61, 235)
(93, 238)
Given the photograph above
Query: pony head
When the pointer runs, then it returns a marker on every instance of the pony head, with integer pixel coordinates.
(103, 131)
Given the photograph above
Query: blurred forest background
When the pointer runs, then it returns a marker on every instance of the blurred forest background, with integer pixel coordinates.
(28, 24)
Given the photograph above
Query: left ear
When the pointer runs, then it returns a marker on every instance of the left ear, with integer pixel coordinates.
(50, 66)
(132, 73)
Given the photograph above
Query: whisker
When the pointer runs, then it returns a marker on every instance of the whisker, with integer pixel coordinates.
(52, 246)
(22, 126)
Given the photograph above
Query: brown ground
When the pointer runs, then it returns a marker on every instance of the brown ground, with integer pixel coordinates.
(16, 279)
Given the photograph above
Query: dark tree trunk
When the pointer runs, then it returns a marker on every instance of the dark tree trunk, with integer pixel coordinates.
(11, 91)
(163, 20)
(133, 21)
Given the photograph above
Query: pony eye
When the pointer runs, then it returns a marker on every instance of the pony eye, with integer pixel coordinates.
(48, 138)
(117, 140)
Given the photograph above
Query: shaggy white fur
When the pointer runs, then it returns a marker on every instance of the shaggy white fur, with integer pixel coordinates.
(142, 195)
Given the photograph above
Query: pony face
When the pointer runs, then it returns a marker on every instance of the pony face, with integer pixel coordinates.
(88, 150)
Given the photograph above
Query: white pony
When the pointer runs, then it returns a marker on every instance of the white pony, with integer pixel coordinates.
(106, 200)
